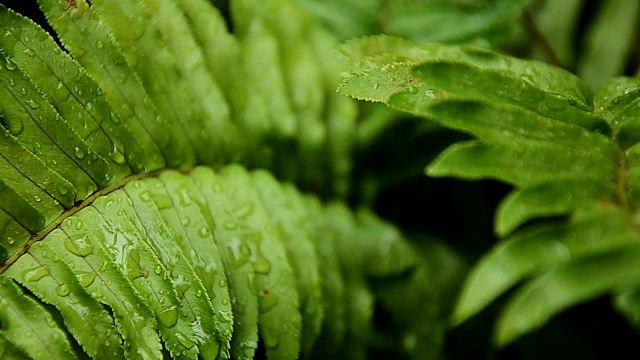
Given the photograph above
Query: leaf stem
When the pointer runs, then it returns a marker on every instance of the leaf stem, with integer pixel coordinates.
(81, 205)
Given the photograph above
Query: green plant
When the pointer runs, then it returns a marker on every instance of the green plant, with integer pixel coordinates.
(110, 254)
(182, 180)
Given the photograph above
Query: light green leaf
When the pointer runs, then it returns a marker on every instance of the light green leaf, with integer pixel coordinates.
(561, 288)
(92, 45)
(609, 41)
(29, 326)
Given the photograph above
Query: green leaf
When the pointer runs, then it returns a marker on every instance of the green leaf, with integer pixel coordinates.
(74, 96)
(107, 251)
(301, 254)
(557, 290)
(29, 326)
(92, 45)
(609, 41)
(278, 301)
(540, 129)
(55, 283)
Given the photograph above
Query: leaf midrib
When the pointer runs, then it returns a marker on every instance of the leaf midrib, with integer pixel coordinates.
(81, 205)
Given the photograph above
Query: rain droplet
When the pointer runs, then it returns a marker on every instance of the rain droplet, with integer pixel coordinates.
(63, 290)
(32, 104)
(103, 267)
(79, 153)
(203, 231)
(158, 270)
(23, 91)
(29, 52)
(37, 198)
(168, 317)
(198, 293)
(99, 44)
(184, 340)
(79, 247)
(34, 275)
(11, 82)
(244, 211)
(86, 278)
(115, 118)
(145, 196)
(117, 157)
(10, 65)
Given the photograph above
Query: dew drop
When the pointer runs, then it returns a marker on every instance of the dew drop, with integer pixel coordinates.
(10, 65)
(29, 52)
(23, 91)
(203, 232)
(184, 340)
(63, 290)
(158, 270)
(86, 278)
(168, 317)
(33, 275)
(145, 196)
(103, 267)
(99, 44)
(37, 198)
(198, 293)
(79, 153)
(244, 211)
(117, 157)
(115, 118)
(28, 334)
(79, 247)
(32, 104)
(11, 82)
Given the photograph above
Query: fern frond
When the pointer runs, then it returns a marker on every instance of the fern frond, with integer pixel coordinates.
(188, 259)
(141, 96)
(115, 243)
(539, 128)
